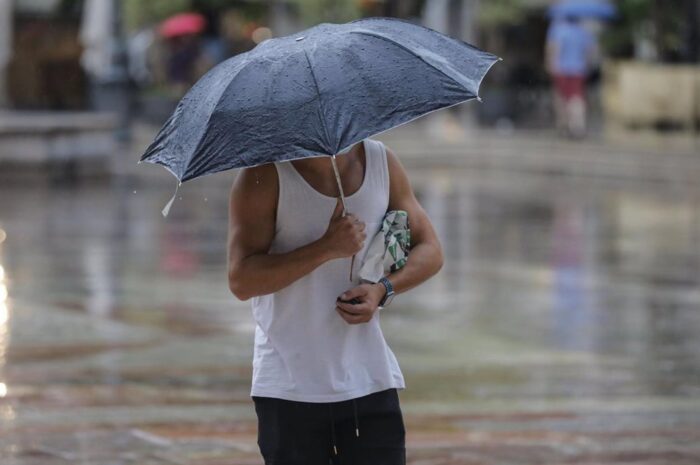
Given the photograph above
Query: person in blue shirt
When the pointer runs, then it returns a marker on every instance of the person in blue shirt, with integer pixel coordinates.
(570, 48)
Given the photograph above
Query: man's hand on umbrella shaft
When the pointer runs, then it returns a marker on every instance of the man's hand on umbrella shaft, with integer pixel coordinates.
(345, 235)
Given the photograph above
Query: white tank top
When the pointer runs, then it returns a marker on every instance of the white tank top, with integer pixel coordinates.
(304, 350)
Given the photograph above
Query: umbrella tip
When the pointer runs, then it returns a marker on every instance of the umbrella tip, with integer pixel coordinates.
(166, 209)
(479, 99)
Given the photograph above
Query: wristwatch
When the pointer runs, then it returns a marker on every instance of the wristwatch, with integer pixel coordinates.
(389, 296)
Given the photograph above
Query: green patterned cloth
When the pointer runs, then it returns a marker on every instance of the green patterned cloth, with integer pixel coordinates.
(388, 250)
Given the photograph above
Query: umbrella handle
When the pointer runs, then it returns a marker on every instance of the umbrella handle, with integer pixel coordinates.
(342, 200)
(340, 185)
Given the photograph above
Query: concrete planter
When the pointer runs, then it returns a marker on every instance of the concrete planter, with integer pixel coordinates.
(637, 94)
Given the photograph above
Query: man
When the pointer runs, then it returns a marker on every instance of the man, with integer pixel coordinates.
(322, 371)
(570, 48)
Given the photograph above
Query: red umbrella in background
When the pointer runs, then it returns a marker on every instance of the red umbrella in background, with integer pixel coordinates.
(182, 24)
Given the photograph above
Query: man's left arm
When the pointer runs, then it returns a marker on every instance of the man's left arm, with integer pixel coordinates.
(425, 257)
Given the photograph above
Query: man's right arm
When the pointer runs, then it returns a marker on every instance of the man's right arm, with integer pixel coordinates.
(252, 271)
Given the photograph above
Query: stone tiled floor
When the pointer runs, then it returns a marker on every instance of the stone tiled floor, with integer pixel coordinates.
(563, 328)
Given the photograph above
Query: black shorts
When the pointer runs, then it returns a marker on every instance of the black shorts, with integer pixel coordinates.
(302, 433)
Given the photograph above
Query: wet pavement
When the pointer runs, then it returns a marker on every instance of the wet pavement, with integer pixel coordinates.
(562, 329)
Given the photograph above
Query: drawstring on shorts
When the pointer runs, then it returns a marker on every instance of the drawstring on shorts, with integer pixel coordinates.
(357, 425)
(335, 450)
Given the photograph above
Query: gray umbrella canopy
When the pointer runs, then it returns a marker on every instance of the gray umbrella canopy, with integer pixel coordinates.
(315, 93)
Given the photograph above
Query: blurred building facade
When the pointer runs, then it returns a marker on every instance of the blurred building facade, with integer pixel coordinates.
(51, 52)
(38, 43)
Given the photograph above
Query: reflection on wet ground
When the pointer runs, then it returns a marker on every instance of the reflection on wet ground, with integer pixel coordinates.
(562, 329)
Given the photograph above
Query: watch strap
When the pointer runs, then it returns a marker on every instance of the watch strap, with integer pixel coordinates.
(389, 290)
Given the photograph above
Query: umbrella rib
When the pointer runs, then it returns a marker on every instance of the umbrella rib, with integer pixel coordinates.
(425, 59)
(243, 65)
(320, 101)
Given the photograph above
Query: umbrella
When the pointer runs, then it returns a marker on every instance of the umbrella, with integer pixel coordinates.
(315, 93)
(582, 8)
(182, 24)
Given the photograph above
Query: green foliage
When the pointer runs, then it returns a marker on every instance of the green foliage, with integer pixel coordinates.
(139, 13)
(496, 13)
(335, 11)
(659, 22)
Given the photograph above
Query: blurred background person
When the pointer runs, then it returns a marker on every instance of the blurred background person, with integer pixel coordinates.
(569, 51)
(182, 33)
